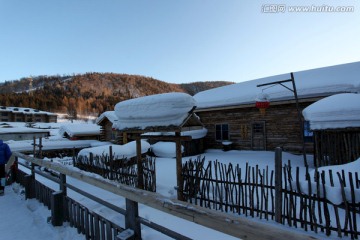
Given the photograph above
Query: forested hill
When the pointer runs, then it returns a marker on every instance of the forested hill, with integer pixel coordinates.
(90, 93)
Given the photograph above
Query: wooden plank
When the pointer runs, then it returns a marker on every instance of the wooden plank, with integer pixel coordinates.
(57, 216)
(140, 172)
(87, 223)
(236, 226)
(179, 179)
(131, 218)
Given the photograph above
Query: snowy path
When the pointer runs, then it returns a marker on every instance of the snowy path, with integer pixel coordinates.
(27, 219)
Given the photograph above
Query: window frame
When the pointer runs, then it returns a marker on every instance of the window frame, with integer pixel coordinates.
(222, 132)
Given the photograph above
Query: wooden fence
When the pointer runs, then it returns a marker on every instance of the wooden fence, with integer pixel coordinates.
(318, 201)
(336, 146)
(122, 170)
(87, 222)
(97, 227)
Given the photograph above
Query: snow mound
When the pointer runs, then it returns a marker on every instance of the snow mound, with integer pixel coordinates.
(165, 149)
(161, 110)
(194, 134)
(119, 151)
(337, 111)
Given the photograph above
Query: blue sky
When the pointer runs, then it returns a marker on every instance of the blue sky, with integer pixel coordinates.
(176, 41)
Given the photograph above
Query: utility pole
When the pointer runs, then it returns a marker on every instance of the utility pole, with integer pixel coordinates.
(301, 125)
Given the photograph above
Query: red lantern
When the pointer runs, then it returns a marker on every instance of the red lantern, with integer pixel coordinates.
(262, 103)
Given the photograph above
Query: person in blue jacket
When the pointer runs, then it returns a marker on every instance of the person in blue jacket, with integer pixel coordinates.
(5, 154)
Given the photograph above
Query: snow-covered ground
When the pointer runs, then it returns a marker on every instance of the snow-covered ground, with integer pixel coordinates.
(28, 219)
(166, 180)
(37, 215)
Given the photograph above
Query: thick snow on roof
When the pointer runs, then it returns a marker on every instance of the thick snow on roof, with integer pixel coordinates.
(109, 115)
(119, 151)
(337, 111)
(309, 83)
(76, 129)
(24, 110)
(20, 129)
(161, 110)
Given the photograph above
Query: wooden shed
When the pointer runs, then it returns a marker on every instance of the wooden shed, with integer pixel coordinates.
(169, 112)
(107, 133)
(74, 131)
(335, 122)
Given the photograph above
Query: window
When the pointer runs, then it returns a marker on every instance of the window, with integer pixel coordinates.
(308, 134)
(113, 135)
(258, 128)
(222, 132)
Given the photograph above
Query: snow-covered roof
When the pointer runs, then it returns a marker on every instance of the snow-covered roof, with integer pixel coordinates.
(155, 111)
(79, 129)
(310, 83)
(6, 128)
(24, 110)
(109, 115)
(337, 111)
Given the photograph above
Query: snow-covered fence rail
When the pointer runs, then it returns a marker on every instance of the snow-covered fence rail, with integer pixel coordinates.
(237, 226)
(319, 201)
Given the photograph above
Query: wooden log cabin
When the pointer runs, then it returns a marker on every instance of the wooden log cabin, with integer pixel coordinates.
(107, 132)
(233, 121)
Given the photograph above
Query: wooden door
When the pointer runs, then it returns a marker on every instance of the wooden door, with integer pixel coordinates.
(258, 135)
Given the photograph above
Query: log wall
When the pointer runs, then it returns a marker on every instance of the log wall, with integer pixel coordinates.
(333, 147)
(281, 124)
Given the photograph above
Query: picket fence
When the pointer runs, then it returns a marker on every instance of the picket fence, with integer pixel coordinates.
(318, 201)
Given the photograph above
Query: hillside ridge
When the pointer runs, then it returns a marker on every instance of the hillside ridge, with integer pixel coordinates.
(89, 93)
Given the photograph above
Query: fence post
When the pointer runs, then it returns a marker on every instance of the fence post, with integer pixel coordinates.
(179, 177)
(29, 183)
(278, 184)
(131, 218)
(57, 208)
(140, 170)
(73, 157)
(63, 191)
(111, 163)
